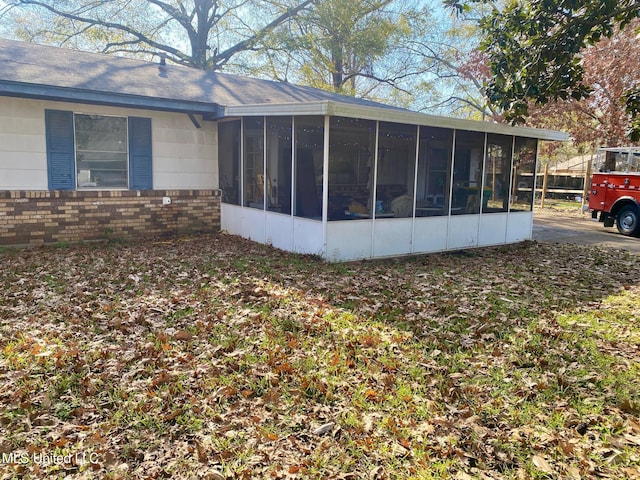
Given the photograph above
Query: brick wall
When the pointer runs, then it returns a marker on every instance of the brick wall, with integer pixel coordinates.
(36, 217)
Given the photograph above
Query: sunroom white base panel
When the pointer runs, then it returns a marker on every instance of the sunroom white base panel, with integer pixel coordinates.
(392, 237)
(430, 234)
(254, 224)
(463, 231)
(359, 239)
(279, 231)
(519, 226)
(308, 236)
(348, 240)
(493, 229)
(288, 233)
(231, 218)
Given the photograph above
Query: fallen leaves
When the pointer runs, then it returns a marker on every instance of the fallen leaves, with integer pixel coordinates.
(542, 465)
(215, 357)
(323, 429)
(183, 335)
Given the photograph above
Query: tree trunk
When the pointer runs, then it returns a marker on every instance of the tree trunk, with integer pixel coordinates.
(337, 75)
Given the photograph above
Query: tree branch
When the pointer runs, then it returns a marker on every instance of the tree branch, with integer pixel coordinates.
(223, 57)
(116, 26)
(180, 16)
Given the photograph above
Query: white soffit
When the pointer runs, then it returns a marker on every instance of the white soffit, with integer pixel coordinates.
(390, 114)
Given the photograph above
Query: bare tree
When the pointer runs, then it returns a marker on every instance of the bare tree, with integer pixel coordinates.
(204, 34)
(455, 71)
(336, 45)
(370, 48)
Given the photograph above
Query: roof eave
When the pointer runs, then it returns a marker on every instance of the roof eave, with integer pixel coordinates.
(391, 114)
(66, 94)
(320, 107)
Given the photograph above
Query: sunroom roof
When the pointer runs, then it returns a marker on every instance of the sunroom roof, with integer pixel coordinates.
(391, 115)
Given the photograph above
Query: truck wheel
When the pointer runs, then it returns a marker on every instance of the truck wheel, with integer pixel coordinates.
(628, 220)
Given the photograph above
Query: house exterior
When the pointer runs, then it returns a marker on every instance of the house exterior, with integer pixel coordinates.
(95, 146)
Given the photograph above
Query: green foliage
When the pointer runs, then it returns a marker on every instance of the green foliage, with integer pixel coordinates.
(339, 43)
(535, 49)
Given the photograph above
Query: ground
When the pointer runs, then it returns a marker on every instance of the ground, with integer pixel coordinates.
(214, 357)
(567, 223)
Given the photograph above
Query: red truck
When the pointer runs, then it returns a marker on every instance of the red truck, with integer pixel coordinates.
(615, 189)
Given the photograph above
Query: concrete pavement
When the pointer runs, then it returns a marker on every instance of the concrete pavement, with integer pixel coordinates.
(556, 228)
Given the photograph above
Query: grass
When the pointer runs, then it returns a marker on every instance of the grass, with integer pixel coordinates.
(560, 206)
(211, 355)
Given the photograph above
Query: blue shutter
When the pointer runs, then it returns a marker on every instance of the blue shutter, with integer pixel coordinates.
(140, 170)
(60, 150)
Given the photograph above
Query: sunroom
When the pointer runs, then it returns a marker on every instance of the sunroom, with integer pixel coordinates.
(350, 182)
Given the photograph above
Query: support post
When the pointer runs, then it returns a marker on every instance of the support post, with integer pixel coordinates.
(587, 183)
(544, 185)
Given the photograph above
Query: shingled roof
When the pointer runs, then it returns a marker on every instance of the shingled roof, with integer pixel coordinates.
(52, 73)
(30, 67)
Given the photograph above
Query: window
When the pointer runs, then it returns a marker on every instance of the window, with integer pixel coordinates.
(396, 170)
(309, 162)
(229, 161)
(279, 151)
(351, 159)
(497, 173)
(254, 162)
(97, 151)
(467, 172)
(524, 167)
(270, 140)
(434, 172)
(101, 151)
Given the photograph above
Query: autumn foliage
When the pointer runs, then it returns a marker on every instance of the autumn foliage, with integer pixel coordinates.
(611, 68)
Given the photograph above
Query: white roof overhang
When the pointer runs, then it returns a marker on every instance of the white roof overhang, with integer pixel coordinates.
(390, 114)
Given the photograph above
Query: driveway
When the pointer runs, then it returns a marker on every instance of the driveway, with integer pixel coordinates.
(581, 230)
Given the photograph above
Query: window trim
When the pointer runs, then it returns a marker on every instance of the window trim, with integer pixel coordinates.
(61, 154)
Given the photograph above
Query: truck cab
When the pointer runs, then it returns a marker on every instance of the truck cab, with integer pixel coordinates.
(614, 197)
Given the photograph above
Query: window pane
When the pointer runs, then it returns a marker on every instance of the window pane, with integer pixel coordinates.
(396, 170)
(254, 162)
(101, 151)
(497, 173)
(352, 142)
(621, 160)
(229, 161)
(467, 172)
(524, 167)
(309, 161)
(434, 172)
(278, 186)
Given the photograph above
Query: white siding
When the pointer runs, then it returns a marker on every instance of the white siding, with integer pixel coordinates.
(279, 231)
(23, 156)
(308, 236)
(184, 157)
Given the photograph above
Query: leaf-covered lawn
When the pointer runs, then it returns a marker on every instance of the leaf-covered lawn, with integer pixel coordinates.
(214, 357)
